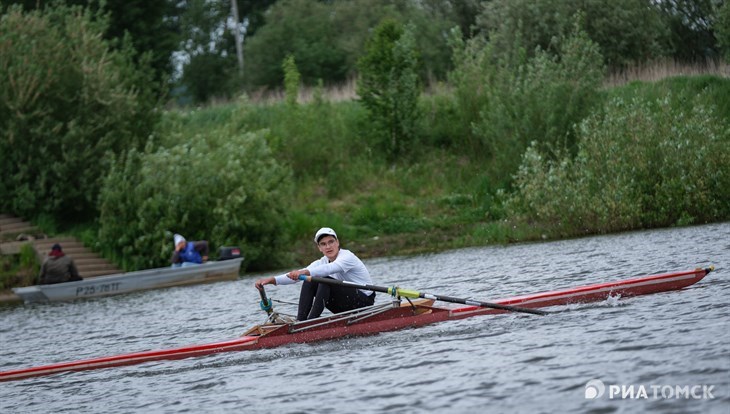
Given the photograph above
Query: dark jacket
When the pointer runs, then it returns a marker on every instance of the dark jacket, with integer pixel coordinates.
(58, 270)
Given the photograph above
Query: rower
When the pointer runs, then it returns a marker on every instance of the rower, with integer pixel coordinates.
(337, 263)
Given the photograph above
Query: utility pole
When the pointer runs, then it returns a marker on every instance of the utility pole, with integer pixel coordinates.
(237, 35)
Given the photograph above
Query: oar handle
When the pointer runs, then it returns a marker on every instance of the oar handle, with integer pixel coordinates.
(266, 303)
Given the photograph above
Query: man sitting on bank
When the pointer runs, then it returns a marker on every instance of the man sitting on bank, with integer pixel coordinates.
(58, 268)
(337, 264)
(189, 253)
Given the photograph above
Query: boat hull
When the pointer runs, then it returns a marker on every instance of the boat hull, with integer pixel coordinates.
(214, 271)
(380, 318)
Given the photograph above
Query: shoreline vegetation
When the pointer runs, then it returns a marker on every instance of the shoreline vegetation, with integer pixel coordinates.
(520, 139)
(427, 205)
(434, 203)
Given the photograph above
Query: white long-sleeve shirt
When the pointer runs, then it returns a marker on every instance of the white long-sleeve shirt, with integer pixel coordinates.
(346, 267)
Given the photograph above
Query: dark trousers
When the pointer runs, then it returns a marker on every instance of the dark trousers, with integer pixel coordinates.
(314, 297)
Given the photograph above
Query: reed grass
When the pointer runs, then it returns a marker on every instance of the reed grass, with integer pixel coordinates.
(666, 68)
(645, 72)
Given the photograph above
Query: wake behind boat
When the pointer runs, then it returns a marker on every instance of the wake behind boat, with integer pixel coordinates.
(119, 283)
(378, 318)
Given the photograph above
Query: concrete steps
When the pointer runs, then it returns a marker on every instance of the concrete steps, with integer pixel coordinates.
(11, 227)
(87, 262)
(16, 232)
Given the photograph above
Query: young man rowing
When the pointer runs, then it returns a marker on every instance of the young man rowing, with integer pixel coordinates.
(337, 263)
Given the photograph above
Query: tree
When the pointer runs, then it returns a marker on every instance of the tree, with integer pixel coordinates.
(225, 187)
(722, 29)
(511, 99)
(627, 31)
(328, 38)
(389, 86)
(67, 101)
(151, 25)
(292, 78)
(304, 29)
(691, 24)
(207, 53)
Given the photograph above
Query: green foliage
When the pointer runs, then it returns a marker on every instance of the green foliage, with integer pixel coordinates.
(626, 31)
(690, 24)
(291, 80)
(28, 258)
(640, 164)
(441, 124)
(321, 141)
(440, 198)
(208, 76)
(19, 269)
(389, 87)
(473, 73)
(722, 29)
(224, 187)
(328, 38)
(66, 101)
(512, 100)
(208, 55)
(305, 29)
(151, 30)
(148, 25)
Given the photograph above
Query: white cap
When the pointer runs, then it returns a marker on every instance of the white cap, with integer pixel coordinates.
(324, 231)
(178, 238)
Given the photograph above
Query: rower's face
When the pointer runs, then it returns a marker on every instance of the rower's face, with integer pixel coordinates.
(329, 246)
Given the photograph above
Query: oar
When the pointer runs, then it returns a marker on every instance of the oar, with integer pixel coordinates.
(406, 293)
(266, 304)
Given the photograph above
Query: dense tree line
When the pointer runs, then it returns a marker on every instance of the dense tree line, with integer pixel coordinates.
(67, 101)
(192, 43)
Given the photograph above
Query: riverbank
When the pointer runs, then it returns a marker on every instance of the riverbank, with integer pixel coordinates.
(649, 340)
(265, 177)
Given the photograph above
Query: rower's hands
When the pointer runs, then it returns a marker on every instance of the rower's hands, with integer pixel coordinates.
(294, 274)
(264, 281)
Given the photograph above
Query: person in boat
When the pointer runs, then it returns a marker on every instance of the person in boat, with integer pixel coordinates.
(189, 253)
(337, 263)
(58, 268)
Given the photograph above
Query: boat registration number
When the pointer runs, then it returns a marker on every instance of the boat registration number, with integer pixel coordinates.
(96, 289)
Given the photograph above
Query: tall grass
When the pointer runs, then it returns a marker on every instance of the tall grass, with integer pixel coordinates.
(666, 68)
(645, 72)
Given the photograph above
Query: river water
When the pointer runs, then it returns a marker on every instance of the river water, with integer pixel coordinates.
(664, 343)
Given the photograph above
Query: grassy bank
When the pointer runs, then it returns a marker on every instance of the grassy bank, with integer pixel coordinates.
(442, 196)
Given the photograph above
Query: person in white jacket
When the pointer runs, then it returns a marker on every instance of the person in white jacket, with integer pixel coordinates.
(337, 263)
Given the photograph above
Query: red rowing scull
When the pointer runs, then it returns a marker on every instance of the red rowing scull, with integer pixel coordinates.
(375, 319)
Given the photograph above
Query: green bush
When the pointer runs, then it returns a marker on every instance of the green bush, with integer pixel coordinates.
(626, 31)
(510, 100)
(19, 269)
(66, 101)
(539, 101)
(224, 187)
(292, 78)
(389, 87)
(640, 164)
(474, 71)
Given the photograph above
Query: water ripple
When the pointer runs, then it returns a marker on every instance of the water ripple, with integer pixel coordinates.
(507, 363)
